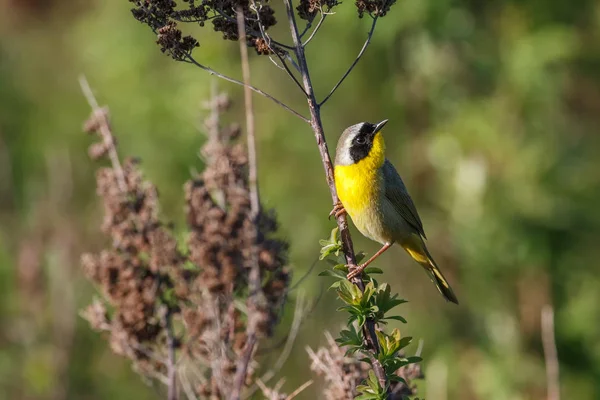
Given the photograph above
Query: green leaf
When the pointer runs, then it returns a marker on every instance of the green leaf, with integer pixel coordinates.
(373, 270)
(397, 318)
(385, 301)
(328, 250)
(373, 381)
(341, 267)
(347, 292)
(405, 341)
(334, 235)
(335, 285)
(350, 337)
(332, 273)
(396, 378)
(359, 256)
(361, 319)
(366, 396)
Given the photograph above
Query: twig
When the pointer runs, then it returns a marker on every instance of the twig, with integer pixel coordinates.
(550, 353)
(186, 385)
(254, 276)
(267, 40)
(306, 28)
(211, 71)
(317, 127)
(312, 35)
(299, 390)
(171, 365)
(101, 116)
(250, 131)
(289, 344)
(289, 71)
(360, 54)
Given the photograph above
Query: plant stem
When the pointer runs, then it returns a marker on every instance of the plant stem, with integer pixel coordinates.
(101, 114)
(550, 353)
(254, 276)
(317, 127)
(356, 60)
(191, 60)
(171, 367)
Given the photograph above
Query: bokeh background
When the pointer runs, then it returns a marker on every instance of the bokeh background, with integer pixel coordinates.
(494, 112)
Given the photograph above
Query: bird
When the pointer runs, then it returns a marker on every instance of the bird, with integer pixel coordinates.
(373, 194)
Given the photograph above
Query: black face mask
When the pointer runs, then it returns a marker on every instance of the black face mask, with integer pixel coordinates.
(362, 142)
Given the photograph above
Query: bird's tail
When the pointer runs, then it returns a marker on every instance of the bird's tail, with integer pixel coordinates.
(418, 251)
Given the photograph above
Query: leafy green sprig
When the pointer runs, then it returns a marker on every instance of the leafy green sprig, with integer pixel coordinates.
(375, 303)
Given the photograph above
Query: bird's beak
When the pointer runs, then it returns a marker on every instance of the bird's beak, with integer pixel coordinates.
(380, 125)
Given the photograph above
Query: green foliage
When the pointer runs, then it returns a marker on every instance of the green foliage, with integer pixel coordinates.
(351, 338)
(371, 390)
(332, 245)
(388, 355)
(360, 305)
(373, 303)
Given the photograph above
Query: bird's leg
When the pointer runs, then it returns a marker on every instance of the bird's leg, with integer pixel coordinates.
(338, 210)
(358, 270)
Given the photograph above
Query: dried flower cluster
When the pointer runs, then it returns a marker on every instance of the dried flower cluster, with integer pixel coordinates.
(308, 9)
(159, 293)
(342, 374)
(163, 15)
(375, 8)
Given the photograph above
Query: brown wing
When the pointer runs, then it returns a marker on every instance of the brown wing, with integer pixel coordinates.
(397, 194)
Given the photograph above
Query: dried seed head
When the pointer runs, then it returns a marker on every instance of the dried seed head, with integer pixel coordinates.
(375, 8)
(162, 17)
(308, 9)
(171, 41)
(144, 275)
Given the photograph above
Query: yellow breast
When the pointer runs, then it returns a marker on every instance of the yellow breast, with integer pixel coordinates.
(358, 185)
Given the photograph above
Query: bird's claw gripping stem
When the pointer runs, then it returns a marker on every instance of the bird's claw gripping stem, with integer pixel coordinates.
(338, 210)
(355, 270)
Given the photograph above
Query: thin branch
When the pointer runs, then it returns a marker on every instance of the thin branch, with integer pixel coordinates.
(267, 40)
(306, 28)
(550, 353)
(254, 275)
(299, 390)
(101, 117)
(275, 63)
(172, 362)
(312, 35)
(289, 72)
(317, 127)
(186, 385)
(299, 314)
(250, 131)
(360, 54)
(211, 71)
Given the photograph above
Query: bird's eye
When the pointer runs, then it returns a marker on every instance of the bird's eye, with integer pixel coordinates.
(361, 140)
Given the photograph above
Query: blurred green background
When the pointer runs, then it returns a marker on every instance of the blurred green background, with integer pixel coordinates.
(494, 112)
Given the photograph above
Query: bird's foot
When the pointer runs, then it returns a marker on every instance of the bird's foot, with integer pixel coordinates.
(355, 270)
(338, 210)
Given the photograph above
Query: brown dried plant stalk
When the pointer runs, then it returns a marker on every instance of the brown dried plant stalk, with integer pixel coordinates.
(182, 311)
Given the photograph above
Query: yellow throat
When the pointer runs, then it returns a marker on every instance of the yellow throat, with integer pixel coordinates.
(358, 184)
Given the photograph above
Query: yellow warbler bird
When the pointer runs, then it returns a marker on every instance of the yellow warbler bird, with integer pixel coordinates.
(373, 194)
